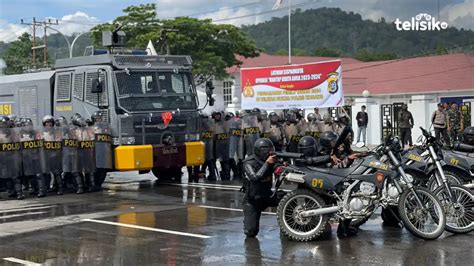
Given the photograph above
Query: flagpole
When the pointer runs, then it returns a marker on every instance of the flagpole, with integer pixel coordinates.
(289, 32)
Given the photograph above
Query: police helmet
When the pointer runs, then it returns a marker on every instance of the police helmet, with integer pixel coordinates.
(75, 116)
(229, 116)
(79, 122)
(308, 146)
(12, 117)
(256, 111)
(328, 139)
(4, 121)
(96, 117)
(48, 119)
(244, 113)
(291, 116)
(468, 136)
(89, 122)
(311, 117)
(262, 148)
(27, 122)
(274, 118)
(61, 121)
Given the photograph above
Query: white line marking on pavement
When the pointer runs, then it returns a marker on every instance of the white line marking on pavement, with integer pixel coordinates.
(203, 186)
(23, 262)
(230, 209)
(147, 228)
(28, 209)
(20, 214)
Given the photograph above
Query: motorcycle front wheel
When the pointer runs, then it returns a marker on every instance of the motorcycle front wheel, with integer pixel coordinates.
(459, 210)
(425, 218)
(292, 224)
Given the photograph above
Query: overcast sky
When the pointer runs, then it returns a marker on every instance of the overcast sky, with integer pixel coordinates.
(81, 15)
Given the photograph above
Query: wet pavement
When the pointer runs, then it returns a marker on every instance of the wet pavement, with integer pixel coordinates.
(143, 223)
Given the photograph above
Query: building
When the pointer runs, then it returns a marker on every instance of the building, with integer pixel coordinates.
(420, 82)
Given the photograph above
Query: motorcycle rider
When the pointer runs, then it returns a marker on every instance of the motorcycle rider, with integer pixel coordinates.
(308, 146)
(258, 172)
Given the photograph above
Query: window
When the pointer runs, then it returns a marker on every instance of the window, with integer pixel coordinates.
(79, 86)
(227, 92)
(64, 87)
(90, 97)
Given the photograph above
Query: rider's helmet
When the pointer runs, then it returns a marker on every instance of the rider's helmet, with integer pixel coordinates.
(308, 146)
(328, 140)
(468, 136)
(262, 148)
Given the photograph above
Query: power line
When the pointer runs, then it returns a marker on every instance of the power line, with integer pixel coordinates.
(216, 10)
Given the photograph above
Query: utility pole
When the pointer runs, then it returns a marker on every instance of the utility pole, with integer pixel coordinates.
(45, 24)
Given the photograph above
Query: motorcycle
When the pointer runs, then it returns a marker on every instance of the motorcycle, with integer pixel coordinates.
(355, 193)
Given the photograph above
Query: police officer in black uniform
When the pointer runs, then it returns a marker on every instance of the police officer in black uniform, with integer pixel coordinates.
(308, 146)
(258, 172)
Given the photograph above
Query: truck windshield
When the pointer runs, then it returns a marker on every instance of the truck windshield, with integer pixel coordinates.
(152, 90)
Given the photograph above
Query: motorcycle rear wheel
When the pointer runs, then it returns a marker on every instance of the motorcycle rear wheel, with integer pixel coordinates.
(416, 217)
(460, 214)
(298, 228)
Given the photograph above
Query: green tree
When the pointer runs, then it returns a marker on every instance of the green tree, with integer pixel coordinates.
(366, 56)
(282, 52)
(18, 56)
(299, 52)
(212, 47)
(327, 52)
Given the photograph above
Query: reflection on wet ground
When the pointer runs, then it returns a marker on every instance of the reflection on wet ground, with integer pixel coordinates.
(89, 243)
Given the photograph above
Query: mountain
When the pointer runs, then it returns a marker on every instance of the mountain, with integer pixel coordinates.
(333, 32)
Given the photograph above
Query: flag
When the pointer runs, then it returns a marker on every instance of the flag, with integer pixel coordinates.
(150, 49)
(277, 4)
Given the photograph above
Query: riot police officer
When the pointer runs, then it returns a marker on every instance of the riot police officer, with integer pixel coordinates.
(250, 129)
(70, 153)
(292, 133)
(258, 171)
(327, 140)
(207, 136)
(314, 126)
(328, 124)
(276, 134)
(236, 148)
(221, 131)
(52, 150)
(10, 158)
(103, 148)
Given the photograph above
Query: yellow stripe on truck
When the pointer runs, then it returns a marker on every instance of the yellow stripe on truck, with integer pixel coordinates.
(195, 153)
(138, 157)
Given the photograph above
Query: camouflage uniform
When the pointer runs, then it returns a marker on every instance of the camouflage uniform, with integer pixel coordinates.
(455, 118)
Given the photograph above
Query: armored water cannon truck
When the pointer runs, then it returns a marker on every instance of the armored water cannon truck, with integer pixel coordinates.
(149, 102)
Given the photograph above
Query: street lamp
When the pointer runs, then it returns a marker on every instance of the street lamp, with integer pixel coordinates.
(69, 45)
(74, 41)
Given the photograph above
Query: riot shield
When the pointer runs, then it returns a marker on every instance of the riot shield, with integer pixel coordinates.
(52, 138)
(276, 134)
(251, 133)
(221, 131)
(265, 129)
(293, 137)
(103, 146)
(10, 154)
(32, 151)
(87, 150)
(70, 144)
(236, 147)
(314, 129)
(207, 136)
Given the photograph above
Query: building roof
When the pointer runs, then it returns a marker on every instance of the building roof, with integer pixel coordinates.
(443, 73)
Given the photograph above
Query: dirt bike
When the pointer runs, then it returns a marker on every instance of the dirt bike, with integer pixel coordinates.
(355, 193)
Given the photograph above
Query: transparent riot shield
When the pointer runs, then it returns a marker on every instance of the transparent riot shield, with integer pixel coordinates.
(10, 154)
(52, 139)
(314, 129)
(32, 151)
(87, 150)
(236, 144)
(292, 136)
(251, 133)
(103, 146)
(221, 131)
(207, 136)
(265, 129)
(70, 144)
(276, 134)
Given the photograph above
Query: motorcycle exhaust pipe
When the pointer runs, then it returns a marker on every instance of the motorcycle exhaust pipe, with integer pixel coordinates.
(321, 211)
